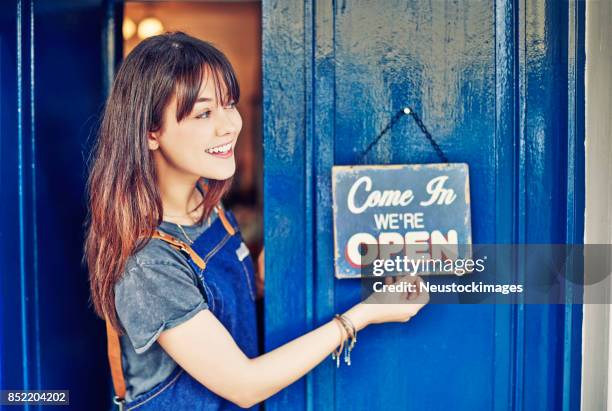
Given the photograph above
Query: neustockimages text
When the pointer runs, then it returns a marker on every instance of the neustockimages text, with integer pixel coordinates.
(473, 287)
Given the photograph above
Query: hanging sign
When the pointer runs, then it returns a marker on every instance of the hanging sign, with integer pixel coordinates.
(417, 216)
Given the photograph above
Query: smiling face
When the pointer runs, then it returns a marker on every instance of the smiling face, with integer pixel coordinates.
(201, 144)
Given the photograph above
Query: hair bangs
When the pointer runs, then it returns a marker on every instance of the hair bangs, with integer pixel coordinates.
(206, 67)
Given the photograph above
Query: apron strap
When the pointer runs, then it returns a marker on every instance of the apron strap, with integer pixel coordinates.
(221, 213)
(114, 359)
(181, 246)
(186, 248)
(228, 226)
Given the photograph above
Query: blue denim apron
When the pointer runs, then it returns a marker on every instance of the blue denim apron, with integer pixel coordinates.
(228, 284)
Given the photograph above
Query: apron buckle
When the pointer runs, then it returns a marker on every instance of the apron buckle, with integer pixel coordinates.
(120, 403)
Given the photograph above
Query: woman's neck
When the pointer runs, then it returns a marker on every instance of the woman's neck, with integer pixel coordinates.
(179, 200)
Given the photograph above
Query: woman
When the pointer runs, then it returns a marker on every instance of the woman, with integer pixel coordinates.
(168, 269)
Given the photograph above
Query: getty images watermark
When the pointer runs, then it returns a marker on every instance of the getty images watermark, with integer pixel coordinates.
(490, 273)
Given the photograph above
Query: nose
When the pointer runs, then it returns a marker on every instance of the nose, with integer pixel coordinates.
(227, 122)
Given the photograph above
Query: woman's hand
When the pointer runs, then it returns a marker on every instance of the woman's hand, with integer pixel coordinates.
(388, 306)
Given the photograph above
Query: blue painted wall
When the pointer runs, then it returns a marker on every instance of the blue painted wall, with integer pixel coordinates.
(499, 83)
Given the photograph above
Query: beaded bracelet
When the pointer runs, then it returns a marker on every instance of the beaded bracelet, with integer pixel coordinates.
(351, 331)
(336, 353)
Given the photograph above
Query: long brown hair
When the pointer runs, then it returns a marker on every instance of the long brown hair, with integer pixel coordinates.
(124, 202)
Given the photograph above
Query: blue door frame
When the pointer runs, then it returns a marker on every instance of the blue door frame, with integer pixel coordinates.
(51, 92)
(500, 83)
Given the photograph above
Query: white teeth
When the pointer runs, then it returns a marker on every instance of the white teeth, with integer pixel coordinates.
(220, 149)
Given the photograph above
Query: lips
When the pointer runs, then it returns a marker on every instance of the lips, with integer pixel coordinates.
(223, 150)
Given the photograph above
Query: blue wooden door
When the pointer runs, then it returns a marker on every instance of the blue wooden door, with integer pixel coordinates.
(52, 91)
(500, 85)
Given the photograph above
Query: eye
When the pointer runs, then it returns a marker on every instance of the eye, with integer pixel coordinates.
(205, 114)
(231, 105)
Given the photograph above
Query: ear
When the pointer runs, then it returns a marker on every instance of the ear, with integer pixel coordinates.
(153, 140)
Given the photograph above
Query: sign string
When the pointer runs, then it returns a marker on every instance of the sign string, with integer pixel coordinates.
(408, 112)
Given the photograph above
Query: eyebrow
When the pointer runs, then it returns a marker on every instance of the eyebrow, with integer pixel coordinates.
(204, 100)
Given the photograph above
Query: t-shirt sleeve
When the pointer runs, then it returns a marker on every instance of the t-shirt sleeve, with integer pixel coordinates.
(153, 297)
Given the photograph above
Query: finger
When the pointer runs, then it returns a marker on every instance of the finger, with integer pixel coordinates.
(409, 279)
(405, 279)
(412, 285)
(414, 295)
(418, 281)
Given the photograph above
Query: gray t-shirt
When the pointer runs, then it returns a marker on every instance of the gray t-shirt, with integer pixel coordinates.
(157, 291)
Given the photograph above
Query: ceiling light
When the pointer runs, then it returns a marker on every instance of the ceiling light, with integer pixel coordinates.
(129, 28)
(150, 27)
